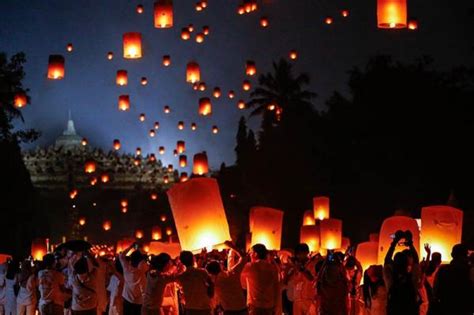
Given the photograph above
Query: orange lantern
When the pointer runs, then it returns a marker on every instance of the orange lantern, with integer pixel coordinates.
(193, 126)
(93, 181)
(241, 104)
(156, 125)
(183, 160)
(124, 203)
(142, 117)
(107, 225)
(56, 67)
(201, 86)
(110, 55)
(246, 85)
(163, 218)
(199, 38)
(137, 161)
(161, 150)
(20, 100)
(204, 4)
(132, 45)
(185, 33)
(84, 141)
(152, 158)
(166, 179)
(345, 13)
(265, 226)
(328, 20)
(264, 21)
(139, 9)
(175, 152)
(82, 221)
(39, 248)
(388, 229)
(139, 234)
(331, 233)
(104, 178)
(193, 72)
(191, 28)
(205, 30)
(321, 208)
(441, 227)
(308, 218)
(180, 125)
(293, 54)
(198, 7)
(156, 233)
(117, 144)
(170, 168)
(73, 194)
(250, 68)
(167, 109)
(123, 244)
(366, 253)
(200, 164)
(412, 25)
(391, 13)
(152, 133)
(153, 196)
(138, 151)
(309, 234)
(122, 77)
(180, 146)
(69, 47)
(124, 102)
(90, 166)
(124, 210)
(231, 94)
(215, 129)
(144, 81)
(183, 177)
(205, 106)
(172, 249)
(166, 60)
(198, 213)
(217, 92)
(163, 14)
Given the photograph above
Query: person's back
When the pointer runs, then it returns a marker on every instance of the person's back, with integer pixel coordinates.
(332, 289)
(26, 298)
(84, 290)
(195, 289)
(51, 300)
(134, 274)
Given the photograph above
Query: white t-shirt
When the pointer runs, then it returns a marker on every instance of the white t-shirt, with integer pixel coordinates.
(49, 284)
(134, 280)
(27, 294)
(115, 288)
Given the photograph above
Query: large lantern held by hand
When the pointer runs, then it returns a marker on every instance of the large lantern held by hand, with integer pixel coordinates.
(392, 225)
(163, 13)
(441, 227)
(198, 213)
(39, 248)
(56, 67)
(321, 208)
(392, 13)
(265, 226)
(331, 233)
(193, 72)
(309, 234)
(132, 45)
(308, 218)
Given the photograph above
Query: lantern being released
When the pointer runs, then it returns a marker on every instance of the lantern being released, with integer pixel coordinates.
(321, 208)
(205, 106)
(56, 67)
(199, 213)
(163, 14)
(156, 233)
(308, 218)
(193, 72)
(265, 226)
(200, 164)
(309, 235)
(331, 233)
(132, 45)
(366, 253)
(172, 249)
(39, 248)
(392, 13)
(441, 227)
(389, 227)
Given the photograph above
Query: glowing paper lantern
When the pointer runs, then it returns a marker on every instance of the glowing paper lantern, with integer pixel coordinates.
(110, 55)
(124, 102)
(69, 47)
(193, 126)
(39, 248)
(183, 160)
(183, 177)
(124, 203)
(82, 221)
(231, 94)
(161, 150)
(264, 21)
(172, 249)
(215, 129)
(241, 104)
(265, 226)
(84, 141)
(117, 144)
(331, 233)
(123, 244)
(366, 253)
(345, 13)
(180, 146)
(163, 14)
(201, 86)
(107, 225)
(193, 72)
(392, 13)
(200, 38)
(90, 166)
(156, 125)
(180, 125)
(250, 68)
(441, 227)
(139, 234)
(217, 92)
(20, 100)
(140, 9)
(205, 106)
(389, 227)
(104, 178)
(321, 208)
(308, 218)
(166, 60)
(309, 234)
(156, 233)
(198, 213)
(132, 45)
(293, 54)
(167, 109)
(185, 33)
(328, 20)
(122, 77)
(138, 151)
(200, 164)
(56, 67)
(246, 86)
(412, 25)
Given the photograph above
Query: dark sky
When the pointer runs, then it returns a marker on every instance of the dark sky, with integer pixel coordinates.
(43, 27)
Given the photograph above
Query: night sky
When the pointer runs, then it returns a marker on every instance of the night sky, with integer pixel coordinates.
(43, 27)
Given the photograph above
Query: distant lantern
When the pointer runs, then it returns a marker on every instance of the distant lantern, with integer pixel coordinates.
(161, 150)
(84, 141)
(152, 158)
(142, 117)
(217, 92)
(250, 68)
(205, 106)
(82, 221)
(293, 54)
(308, 218)
(246, 86)
(169, 231)
(104, 178)
(366, 253)
(137, 161)
(166, 60)
(321, 208)
(215, 129)
(412, 25)
(163, 218)
(199, 214)
(166, 179)
(193, 126)
(154, 196)
(204, 3)
(183, 160)
(20, 100)
(264, 21)
(117, 144)
(309, 235)
(124, 210)
(198, 7)
(191, 28)
(69, 47)
(183, 177)
(441, 227)
(231, 94)
(152, 133)
(56, 67)
(175, 152)
(110, 55)
(90, 166)
(193, 72)
(170, 168)
(93, 181)
(265, 226)
(124, 102)
(328, 20)
(392, 225)
(122, 77)
(73, 194)
(200, 38)
(167, 109)
(240, 10)
(345, 13)
(138, 151)
(392, 13)
(107, 225)
(156, 233)
(124, 203)
(156, 125)
(205, 30)
(331, 233)
(132, 45)
(139, 234)
(144, 81)
(140, 9)
(200, 164)
(39, 248)
(180, 146)
(195, 86)
(202, 86)
(180, 125)
(185, 33)
(163, 14)
(241, 104)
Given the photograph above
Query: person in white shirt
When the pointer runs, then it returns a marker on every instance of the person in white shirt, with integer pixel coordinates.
(83, 281)
(2, 288)
(262, 282)
(10, 283)
(26, 299)
(197, 286)
(115, 288)
(134, 274)
(51, 287)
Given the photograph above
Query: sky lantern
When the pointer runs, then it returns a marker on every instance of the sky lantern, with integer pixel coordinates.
(180, 146)
(124, 203)
(39, 248)
(217, 92)
(240, 10)
(110, 55)
(180, 125)
(137, 161)
(142, 117)
(82, 221)
(56, 67)
(183, 177)
(116, 144)
(345, 13)
(309, 234)
(20, 99)
(250, 68)
(73, 193)
(366, 253)
(166, 109)
(198, 7)
(139, 234)
(199, 213)
(152, 133)
(140, 9)
(441, 227)
(331, 233)
(328, 20)
(231, 94)
(392, 13)
(175, 152)
(132, 45)
(193, 72)
(90, 166)
(293, 54)
(163, 13)
(153, 196)
(156, 125)
(412, 25)
(200, 38)
(308, 218)
(144, 81)
(84, 142)
(124, 103)
(138, 151)
(215, 129)
(193, 126)
(152, 158)
(185, 33)
(104, 178)
(321, 208)
(388, 229)
(264, 21)
(123, 244)
(166, 60)
(69, 47)
(122, 77)
(93, 181)
(200, 164)
(241, 104)
(205, 106)
(205, 30)
(107, 225)
(166, 179)
(246, 86)
(183, 160)
(170, 168)
(191, 28)
(156, 233)
(201, 86)
(161, 150)
(265, 226)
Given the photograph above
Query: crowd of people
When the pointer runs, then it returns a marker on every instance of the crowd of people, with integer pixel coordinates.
(229, 282)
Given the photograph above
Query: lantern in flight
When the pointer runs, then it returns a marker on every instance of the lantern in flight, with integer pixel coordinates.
(144, 81)
(201, 86)
(231, 94)
(250, 68)
(139, 234)
(122, 77)
(107, 225)
(331, 233)
(163, 14)
(293, 54)
(328, 20)
(246, 85)
(185, 33)
(84, 142)
(161, 150)
(166, 60)
(90, 166)
(183, 177)
(241, 104)
(39, 248)
(217, 92)
(321, 208)
(82, 221)
(56, 67)
(205, 106)
(345, 13)
(156, 233)
(124, 102)
(389, 227)
(69, 47)
(180, 146)
(309, 235)
(193, 126)
(142, 117)
(132, 45)
(441, 227)
(205, 30)
(366, 253)
(167, 109)
(308, 218)
(152, 133)
(117, 144)
(412, 25)
(264, 21)
(110, 55)
(138, 151)
(124, 203)
(139, 9)
(193, 72)
(183, 160)
(104, 178)
(180, 125)
(215, 129)
(265, 226)
(20, 99)
(172, 249)
(199, 38)
(200, 164)
(199, 213)
(170, 168)
(392, 13)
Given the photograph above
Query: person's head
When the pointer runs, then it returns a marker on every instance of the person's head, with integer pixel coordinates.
(49, 261)
(410, 259)
(374, 273)
(81, 267)
(459, 252)
(135, 258)
(12, 269)
(436, 258)
(213, 267)
(351, 263)
(259, 251)
(187, 258)
(161, 262)
(301, 252)
(400, 263)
